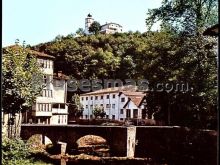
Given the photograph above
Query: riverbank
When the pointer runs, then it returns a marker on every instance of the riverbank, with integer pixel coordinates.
(92, 160)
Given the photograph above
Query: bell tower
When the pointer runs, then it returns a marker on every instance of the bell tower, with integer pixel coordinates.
(88, 21)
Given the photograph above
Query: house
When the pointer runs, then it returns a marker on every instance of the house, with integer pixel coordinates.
(119, 103)
(108, 28)
(50, 107)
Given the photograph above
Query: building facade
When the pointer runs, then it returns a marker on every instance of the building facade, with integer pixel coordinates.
(50, 106)
(119, 103)
(108, 28)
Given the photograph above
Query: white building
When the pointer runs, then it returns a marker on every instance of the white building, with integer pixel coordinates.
(50, 107)
(108, 28)
(119, 103)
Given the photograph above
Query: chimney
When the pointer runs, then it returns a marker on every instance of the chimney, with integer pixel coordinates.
(59, 74)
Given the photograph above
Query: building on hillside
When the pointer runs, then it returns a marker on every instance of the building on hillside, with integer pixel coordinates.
(119, 103)
(51, 106)
(108, 28)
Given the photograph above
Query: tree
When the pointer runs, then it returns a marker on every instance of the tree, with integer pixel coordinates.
(22, 83)
(99, 112)
(80, 32)
(75, 108)
(185, 15)
(95, 27)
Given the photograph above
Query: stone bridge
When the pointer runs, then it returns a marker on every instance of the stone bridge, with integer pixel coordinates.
(120, 139)
(173, 143)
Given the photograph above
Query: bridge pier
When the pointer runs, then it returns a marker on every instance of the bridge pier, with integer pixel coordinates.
(131, 141)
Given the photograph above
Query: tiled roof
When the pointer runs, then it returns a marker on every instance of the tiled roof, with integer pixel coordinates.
(111, 90)
(135, 97)
(60, 76)
(33, 52)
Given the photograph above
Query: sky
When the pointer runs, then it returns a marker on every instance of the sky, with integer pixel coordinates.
(39, 21)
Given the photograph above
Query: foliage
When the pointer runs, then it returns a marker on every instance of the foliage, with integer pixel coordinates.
(15, 151)
(80, 32)
(22, 79)
(21, 83)
(95, 27)
(98, 112)
(159, 57)
(185, 15)
(75, 107)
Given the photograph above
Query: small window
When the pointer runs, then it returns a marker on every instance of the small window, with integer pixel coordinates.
(108, 105)
(91, 106)
(55, 105)
(113, 96)
(62, 106)
(86, 106)
(113, 117)
(86, 116)
(58, 119)
(123, 99)
(101, 97)
(107, 96)
(91, 97)
(86, 98)
(121, 119)
(82, 98)
(121, 111)
(106, 116)
(96, 97)
(113, 106)
(101, 105)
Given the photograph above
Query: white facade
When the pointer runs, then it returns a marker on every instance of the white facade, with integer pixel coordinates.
(50, 107)
(111, 28)
(116, 103)
(108, 28)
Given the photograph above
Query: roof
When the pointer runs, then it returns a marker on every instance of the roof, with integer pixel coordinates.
(111, 90)
(60, 76)
(111, 23)
(211, 31)
(135, 97)
(33, 52)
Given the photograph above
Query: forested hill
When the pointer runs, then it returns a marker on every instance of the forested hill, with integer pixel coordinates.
(159, 57)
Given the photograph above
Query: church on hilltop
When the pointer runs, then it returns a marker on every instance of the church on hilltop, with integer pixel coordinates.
(108, 28)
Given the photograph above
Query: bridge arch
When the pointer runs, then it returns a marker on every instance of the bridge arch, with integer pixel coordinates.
(94, 145)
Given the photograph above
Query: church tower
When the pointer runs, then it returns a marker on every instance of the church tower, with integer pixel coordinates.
(88, 21)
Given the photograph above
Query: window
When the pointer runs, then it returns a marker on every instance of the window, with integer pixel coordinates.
(121, 119)
(91, 97)
(87, 106)
(113, 96)
(90, 116)
(86, 98)
(91, 106)
(128, 113)
(113, 106)
(82, 98)
(86, 116)
(121, 111)
(55, 105)
(107, 96)
(46, 93)
(96, 97)
(101, 97)
(108, 105)
(113, 117)
(62, 106)
(106, 116)
(58, 119)
(123, 99)
(101, 105)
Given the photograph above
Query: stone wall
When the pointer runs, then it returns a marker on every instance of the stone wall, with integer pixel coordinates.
(177, 145)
